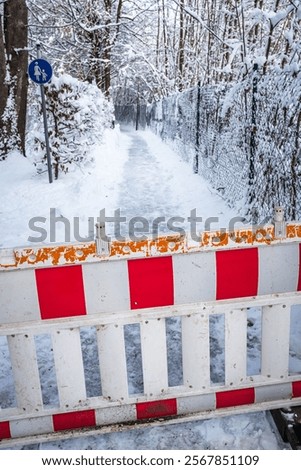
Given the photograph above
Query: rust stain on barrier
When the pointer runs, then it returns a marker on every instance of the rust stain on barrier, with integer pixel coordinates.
(149, 247)
(238, 237)
(293, 231)
(171, 244)
(215, 239)
(127, 248)
(54, 255)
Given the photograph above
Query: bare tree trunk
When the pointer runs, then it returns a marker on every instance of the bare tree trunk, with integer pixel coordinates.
(158, 35)
(269, 40)
(3, 85)
(181, 46)
(14, 60)
(106, 82)
(118, 16)
(165, 37)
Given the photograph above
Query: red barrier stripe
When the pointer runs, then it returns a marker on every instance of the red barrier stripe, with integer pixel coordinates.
(151, 282)
(237, 273)
(5, 430)
(296, 389)
(74, 420)
(156, 409)
(235, 398)
(60, 292)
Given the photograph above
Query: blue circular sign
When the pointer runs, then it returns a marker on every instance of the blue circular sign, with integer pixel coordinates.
(40, 71)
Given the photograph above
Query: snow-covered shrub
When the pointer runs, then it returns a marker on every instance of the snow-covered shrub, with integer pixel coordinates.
(10, 139)
(77, 114)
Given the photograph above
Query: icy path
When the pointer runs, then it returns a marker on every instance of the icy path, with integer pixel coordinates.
(146, 190)
(157, 184)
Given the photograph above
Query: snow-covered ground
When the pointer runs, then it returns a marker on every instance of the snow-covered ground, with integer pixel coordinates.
(133, 172)
(138, 174)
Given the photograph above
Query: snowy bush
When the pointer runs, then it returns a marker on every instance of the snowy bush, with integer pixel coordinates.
(77, 113)
(10, 139)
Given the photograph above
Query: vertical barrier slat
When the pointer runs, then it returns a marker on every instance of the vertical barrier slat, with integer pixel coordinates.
(275, 341)
(69, 367)
(25, 370)
(112, 361)
(196, 351)
(154, 357)
(235, 346)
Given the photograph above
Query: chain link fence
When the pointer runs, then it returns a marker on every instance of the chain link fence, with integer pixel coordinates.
(244, 139)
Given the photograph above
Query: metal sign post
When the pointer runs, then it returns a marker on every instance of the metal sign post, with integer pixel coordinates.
(40, 71)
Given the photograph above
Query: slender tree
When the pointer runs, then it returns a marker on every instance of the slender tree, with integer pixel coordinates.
(13, 75)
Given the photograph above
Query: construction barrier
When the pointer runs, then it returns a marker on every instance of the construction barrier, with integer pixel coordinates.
(59, 290)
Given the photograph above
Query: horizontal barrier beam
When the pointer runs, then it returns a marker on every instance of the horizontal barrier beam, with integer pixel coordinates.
(139, 315)
(74, 253)
(148, 282)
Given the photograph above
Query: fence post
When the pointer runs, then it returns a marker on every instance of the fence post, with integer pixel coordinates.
(138, 110)
(253, 125)
(197, 137)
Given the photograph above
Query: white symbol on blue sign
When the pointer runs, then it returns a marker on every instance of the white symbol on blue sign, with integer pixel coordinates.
(40, 71)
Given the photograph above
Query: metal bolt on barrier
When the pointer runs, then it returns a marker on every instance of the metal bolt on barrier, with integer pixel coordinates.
(279, 223)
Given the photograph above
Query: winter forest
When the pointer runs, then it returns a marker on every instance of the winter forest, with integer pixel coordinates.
(217, 79)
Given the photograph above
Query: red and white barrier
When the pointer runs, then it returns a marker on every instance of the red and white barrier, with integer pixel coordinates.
(58, 290)
(124, 284)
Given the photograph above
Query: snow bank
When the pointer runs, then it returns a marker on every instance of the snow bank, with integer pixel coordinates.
(80, 194)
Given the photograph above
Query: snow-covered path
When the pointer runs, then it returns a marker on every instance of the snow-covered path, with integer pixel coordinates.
(145, 190)
(157, 184)
(134, 172)
(138, 174)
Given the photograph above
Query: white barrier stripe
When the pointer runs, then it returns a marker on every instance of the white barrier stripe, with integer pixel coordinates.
(196, 359)
(274, 392)
(25, 371)
(154, 357)
(235, 346)
(194, 277)
(112, 361)
(116, 415)
(106, 286)
(31, 426)
(69, 368)
(278, 268)
(18, 297)
(195, 404)
(275, 341)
